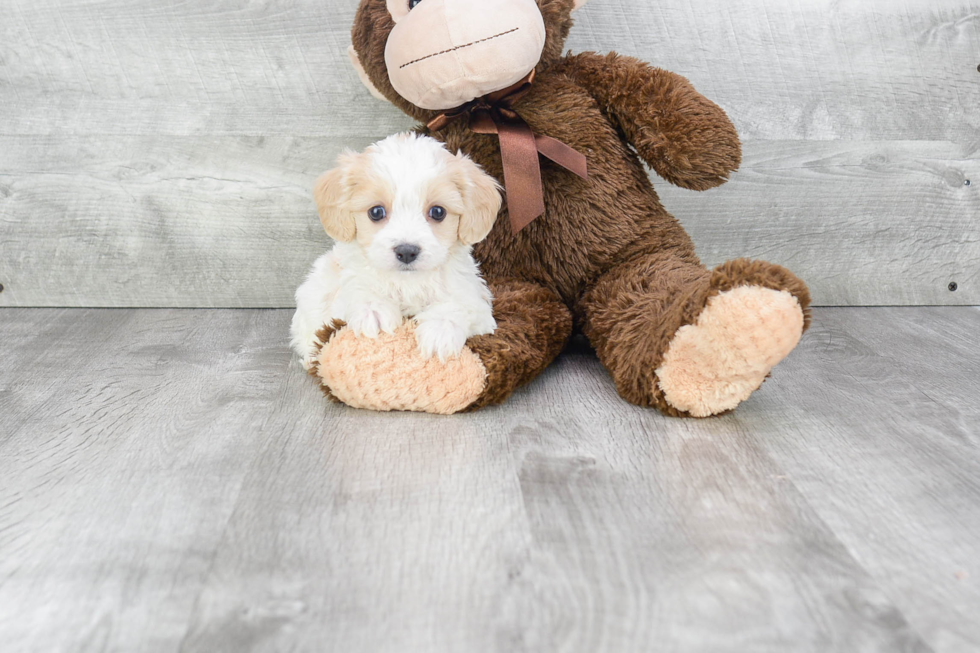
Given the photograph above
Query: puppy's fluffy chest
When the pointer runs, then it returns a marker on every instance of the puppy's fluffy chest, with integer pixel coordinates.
(412, 291)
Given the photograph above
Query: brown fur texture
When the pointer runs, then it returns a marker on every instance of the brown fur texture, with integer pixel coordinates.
(631, 316)
(534, 324)
(605, 251)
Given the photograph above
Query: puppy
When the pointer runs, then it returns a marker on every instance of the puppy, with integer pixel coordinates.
(404, 214)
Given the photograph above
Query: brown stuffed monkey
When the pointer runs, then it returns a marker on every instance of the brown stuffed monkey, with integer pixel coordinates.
(604, 257)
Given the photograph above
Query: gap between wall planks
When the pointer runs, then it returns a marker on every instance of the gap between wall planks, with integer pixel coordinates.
(162, 155)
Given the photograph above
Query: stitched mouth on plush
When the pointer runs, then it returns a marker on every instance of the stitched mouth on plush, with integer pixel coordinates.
(470, 49)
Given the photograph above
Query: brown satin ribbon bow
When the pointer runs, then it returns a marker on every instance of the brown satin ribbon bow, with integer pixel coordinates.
(519, 148)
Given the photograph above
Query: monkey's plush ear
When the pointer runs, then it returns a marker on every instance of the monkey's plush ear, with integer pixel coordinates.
(356, 62)
(578, 4)
(481, 199)
(330, 192)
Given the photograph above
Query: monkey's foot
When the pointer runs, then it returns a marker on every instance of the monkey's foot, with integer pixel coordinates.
(388, 372)
(715, 363)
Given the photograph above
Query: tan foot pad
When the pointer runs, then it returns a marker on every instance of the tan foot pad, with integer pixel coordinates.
(714, 364)
(389, 373)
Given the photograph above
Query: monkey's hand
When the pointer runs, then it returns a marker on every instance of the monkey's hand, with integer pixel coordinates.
(687, 139)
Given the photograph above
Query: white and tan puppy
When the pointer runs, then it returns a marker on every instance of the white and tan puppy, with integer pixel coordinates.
(404, 214)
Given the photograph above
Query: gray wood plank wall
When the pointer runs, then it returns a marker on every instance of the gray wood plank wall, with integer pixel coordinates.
(161, 153)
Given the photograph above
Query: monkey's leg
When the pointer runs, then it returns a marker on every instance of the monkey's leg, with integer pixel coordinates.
(388, 373)
(689, 341)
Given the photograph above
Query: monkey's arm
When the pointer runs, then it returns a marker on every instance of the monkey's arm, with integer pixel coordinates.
(687, 139)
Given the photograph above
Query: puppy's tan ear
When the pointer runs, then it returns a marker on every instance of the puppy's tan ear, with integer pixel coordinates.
(578, 4)
(481, 199)
(330, 193)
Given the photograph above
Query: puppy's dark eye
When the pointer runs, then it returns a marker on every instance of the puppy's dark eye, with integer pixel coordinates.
(412, 3)
(377, 213)
(437, 213)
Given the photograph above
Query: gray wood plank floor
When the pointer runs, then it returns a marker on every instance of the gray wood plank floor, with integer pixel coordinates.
(170, 481)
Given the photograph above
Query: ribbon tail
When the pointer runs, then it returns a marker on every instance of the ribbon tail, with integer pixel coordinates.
(519, 148)
(565, 156)
(522, 174)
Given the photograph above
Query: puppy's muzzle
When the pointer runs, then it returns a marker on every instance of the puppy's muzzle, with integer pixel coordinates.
(406, 254)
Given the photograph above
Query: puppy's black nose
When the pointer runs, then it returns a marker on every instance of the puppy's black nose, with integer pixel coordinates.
(407, 253)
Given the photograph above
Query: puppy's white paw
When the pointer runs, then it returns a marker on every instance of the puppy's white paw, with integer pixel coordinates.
(372, 318)
(440, 338)
(484, 325)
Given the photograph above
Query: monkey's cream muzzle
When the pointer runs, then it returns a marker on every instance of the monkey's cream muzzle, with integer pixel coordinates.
(445, 53)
